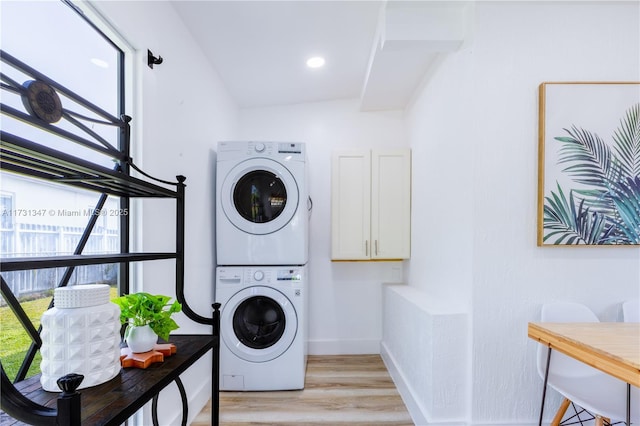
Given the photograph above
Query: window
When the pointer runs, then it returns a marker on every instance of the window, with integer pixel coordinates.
(6, 223)
(54, 40)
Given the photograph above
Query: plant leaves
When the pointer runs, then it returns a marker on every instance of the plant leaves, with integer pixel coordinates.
(570, 224)
(607, 211)
(627, 142)
(590, 155)
(142, 308)
(627, 201)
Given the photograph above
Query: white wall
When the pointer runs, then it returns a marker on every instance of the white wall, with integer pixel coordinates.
(474, 127)
(182, 109)
(345, 297)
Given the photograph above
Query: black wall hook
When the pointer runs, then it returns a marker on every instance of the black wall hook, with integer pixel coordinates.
(151, 60)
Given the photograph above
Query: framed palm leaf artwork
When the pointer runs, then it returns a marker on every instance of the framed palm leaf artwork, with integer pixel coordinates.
(589, 164)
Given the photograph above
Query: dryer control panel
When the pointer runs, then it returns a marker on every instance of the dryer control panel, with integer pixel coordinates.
(290, 148)
(286, 151)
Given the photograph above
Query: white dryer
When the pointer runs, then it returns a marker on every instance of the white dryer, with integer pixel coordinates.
(263, 327)
(262, 204)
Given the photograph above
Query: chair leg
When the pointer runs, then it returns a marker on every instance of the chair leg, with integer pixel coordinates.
(560, 413)
(602, 421)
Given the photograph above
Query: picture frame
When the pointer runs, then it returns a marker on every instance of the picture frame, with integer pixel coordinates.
(589, 164)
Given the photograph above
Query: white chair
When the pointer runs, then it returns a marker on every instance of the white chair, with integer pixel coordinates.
(631, 310)
(591, 389)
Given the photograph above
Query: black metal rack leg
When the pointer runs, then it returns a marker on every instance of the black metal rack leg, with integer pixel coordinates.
(215, 379)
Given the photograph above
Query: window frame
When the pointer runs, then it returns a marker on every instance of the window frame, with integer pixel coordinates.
(124, 71)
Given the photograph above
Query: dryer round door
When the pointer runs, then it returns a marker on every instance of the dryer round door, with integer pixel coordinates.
(259, 196)
(258, 324)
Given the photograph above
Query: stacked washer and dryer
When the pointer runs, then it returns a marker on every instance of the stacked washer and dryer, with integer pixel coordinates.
(262, 246)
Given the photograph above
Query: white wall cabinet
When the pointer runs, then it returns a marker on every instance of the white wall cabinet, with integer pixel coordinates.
(371, 205)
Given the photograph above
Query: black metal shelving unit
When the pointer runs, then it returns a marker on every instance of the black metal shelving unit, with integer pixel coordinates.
(26, 157)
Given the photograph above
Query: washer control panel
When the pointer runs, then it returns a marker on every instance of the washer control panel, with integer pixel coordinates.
(262, 275)
(293, 274)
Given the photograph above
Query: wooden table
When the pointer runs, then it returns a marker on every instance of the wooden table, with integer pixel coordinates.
(612, 347)
(113, 402)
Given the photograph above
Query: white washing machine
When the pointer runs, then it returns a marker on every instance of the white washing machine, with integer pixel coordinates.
(262, 204)
(263, 327)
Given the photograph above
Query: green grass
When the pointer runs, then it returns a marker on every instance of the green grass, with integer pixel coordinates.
(14, 340)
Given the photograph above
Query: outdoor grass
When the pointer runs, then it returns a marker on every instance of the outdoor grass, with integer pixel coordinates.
(14, 340)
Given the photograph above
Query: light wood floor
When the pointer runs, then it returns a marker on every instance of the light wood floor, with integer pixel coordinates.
(339, 390)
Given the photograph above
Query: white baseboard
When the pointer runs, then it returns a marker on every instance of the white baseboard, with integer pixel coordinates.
(344, 347)
(415, 411)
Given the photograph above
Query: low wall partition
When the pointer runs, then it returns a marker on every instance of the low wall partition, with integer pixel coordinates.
(425, 348)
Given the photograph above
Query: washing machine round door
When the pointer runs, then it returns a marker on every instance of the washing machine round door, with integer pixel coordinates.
(258, 324)
(259, 196)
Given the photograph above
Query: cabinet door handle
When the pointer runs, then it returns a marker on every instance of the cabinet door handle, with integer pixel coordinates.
(366, 247)
(376, 247)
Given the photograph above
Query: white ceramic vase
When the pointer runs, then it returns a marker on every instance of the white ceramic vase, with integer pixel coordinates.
(80, 334)
(140, 338)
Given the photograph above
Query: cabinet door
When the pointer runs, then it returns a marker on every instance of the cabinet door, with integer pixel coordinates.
(391, 204)
(350, 205)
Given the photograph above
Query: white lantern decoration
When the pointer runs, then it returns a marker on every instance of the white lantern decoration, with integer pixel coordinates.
(80, 334)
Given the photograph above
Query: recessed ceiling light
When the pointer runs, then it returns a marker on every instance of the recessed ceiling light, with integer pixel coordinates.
(100, 63)
(315, 62)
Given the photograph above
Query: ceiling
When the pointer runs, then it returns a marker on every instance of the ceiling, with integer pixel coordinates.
(376, 51)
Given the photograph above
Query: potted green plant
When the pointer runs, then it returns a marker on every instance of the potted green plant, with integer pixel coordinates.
(147, 317)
